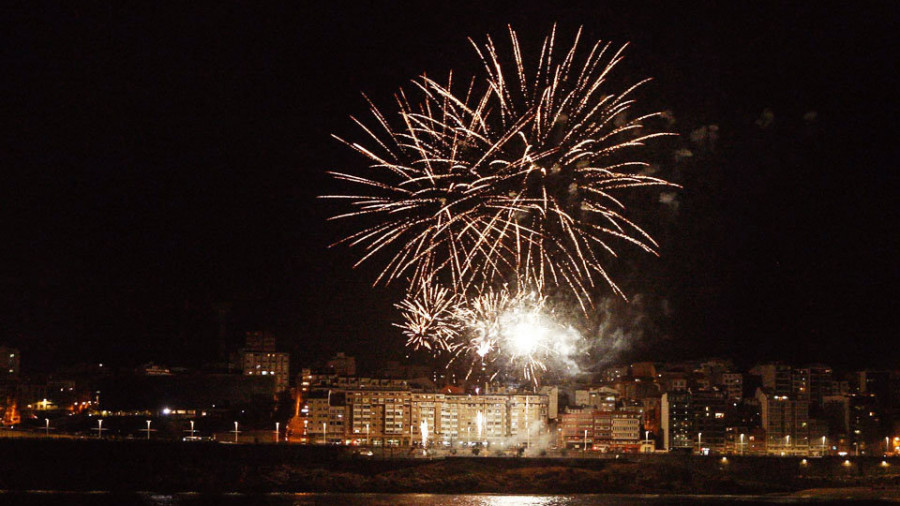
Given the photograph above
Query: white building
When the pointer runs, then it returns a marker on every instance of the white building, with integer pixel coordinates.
(395, 417)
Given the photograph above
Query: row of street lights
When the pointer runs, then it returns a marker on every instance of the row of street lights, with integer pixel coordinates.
(787, 444)
(192, 431)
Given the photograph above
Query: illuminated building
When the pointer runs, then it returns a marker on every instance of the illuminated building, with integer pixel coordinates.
(552, 394)
(800, 384)
(864, 416)
(733, 384)
(605, 431)
(265, 363)
(786, 422)
(527, 415)
(259, 358)
(370, 414)
(708, 419)
(578, 426)
(777, 378)
(821, 382)
(326, 417)
(625, 431)
(600, 398)
(676, 420)
(652, 407)
(673, 381)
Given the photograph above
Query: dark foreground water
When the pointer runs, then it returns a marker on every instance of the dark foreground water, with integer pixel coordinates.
(192, 499)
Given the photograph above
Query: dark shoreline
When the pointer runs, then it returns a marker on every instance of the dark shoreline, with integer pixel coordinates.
(172, 467)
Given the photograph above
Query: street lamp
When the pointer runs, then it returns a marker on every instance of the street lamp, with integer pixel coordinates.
(47, 428)
(99, 428)
(324, 429)
(823, 446)
(742, 444)
(584, 448)
(787, 442)
(367, 435)
(236, 431)
(700, 443)
(148, 430)
(277, 431)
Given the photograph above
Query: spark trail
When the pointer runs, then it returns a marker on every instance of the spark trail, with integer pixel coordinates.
(514, 177)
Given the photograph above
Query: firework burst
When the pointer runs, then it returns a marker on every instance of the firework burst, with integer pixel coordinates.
(514, 178)
(510, 177)
(505, 330)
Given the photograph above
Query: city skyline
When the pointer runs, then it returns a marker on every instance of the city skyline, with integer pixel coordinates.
(166, 167)
(705, 407)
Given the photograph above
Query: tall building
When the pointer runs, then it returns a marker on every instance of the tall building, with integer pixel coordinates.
(800, 384)
(552, 393)
(578, 427)
(786, 422)
(777, 378)
(326, 418)
(864, 418)
(821, 383)
(676, 420)
(652, 407)
(836, 411)
(733, 383)
(259, 358)
(708, 416)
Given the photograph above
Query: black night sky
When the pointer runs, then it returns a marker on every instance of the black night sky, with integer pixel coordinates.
(160, 168)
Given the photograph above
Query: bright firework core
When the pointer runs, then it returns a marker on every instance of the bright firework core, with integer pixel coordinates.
(530, 336)
(502, 330)
(525, 336)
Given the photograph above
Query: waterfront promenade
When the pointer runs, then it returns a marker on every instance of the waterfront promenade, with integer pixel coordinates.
(93, 464)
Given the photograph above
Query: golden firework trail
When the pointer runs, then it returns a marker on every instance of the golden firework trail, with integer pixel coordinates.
(514, 177)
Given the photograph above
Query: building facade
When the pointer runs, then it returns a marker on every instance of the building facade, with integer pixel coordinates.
(267, 363)
(676, 420)
(400, 417)
(786, 422)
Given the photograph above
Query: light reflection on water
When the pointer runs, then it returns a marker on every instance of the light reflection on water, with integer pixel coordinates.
(278, 499)
(282, 499)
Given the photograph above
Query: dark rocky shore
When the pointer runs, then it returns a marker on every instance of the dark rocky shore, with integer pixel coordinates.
(82, 465)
